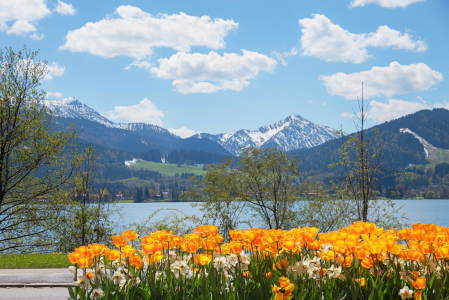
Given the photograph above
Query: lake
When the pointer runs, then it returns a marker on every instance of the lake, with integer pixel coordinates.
(424, 211)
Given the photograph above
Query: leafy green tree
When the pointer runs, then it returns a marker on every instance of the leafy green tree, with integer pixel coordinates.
(37, 158)
(85, 221)
(263, 181)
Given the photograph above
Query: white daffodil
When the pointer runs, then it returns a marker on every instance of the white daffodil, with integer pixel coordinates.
(97, 294)
(405, 293)
(220, 262)
(172, 256)
(326, 247)
(100, 273)
(83, 282)
(404, 276)
(72, 269)
(136, 281)
(117, 277)
(158, 274)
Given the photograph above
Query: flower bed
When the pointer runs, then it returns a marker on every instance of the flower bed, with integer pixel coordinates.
(356, 262)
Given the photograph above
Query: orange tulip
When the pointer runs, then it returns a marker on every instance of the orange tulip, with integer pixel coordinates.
(209, 244)
(128, 251)
(98, 249)
(236, 247)
(418, 295)
(420, 283)
(314, 244)
(119, 241)
(201, 259)
(90, 276)
(73, 257)
(85, 262)
(112, 255)
(191, 247)
(130, 235)
(151, 259)
(84, 251)
(136, 261)
(284, 291)
(442, 252)
(418, 226)
(282, 263)
(367, 263)
(146, 240)
(225, 249)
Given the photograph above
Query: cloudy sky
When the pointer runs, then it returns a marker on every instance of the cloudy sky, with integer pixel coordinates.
(224, 65)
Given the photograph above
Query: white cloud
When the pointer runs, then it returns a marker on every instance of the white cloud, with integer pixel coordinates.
(384, 3)
(207, 73)
(281, 56)
(21, 27)
(135, 33)
(55, 94)
(386, 81)
(327, 41)
(54, 70)
(140, 64)
(37, 37)
(65, 8)
(324, 103)
(395, 108)
(346, 115)
(143, 112)
(183, 132)
(21, 16)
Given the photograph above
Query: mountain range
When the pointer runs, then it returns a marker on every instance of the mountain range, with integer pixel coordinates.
(294, 132)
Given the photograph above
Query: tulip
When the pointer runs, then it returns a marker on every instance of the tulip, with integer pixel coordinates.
(119, 241)
(98, 249)
(130, 235)
(112, 255)
(84, 251)
(284, 291)
(73, 257)
(85, 262)
(201, 259)
(236, 247)
(420, 283)
(128, 251)
(136, 261)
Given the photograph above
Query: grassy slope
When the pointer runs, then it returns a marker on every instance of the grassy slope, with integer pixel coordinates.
(34, 261)
(168, 169)
(437, 156)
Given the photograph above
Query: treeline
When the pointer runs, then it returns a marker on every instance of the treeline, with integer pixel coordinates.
(191, 157)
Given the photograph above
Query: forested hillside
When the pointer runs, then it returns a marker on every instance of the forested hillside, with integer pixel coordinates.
(400, 149)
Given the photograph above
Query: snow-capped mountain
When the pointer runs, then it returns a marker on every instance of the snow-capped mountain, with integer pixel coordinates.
(294, 132)
(73, 108)
(135, 137)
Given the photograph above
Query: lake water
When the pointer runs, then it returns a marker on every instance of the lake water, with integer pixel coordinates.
(424, 211)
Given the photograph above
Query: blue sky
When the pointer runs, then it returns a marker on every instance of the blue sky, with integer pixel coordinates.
(219, 66)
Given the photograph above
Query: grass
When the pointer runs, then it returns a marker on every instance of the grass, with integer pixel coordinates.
(168, 169)
(437, 156)
(34, 261)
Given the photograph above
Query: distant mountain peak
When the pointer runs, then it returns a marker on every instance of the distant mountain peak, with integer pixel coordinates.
(292, 133)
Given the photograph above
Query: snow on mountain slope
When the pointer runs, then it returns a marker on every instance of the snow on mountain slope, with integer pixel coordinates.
(73, 108)
(292, 133)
